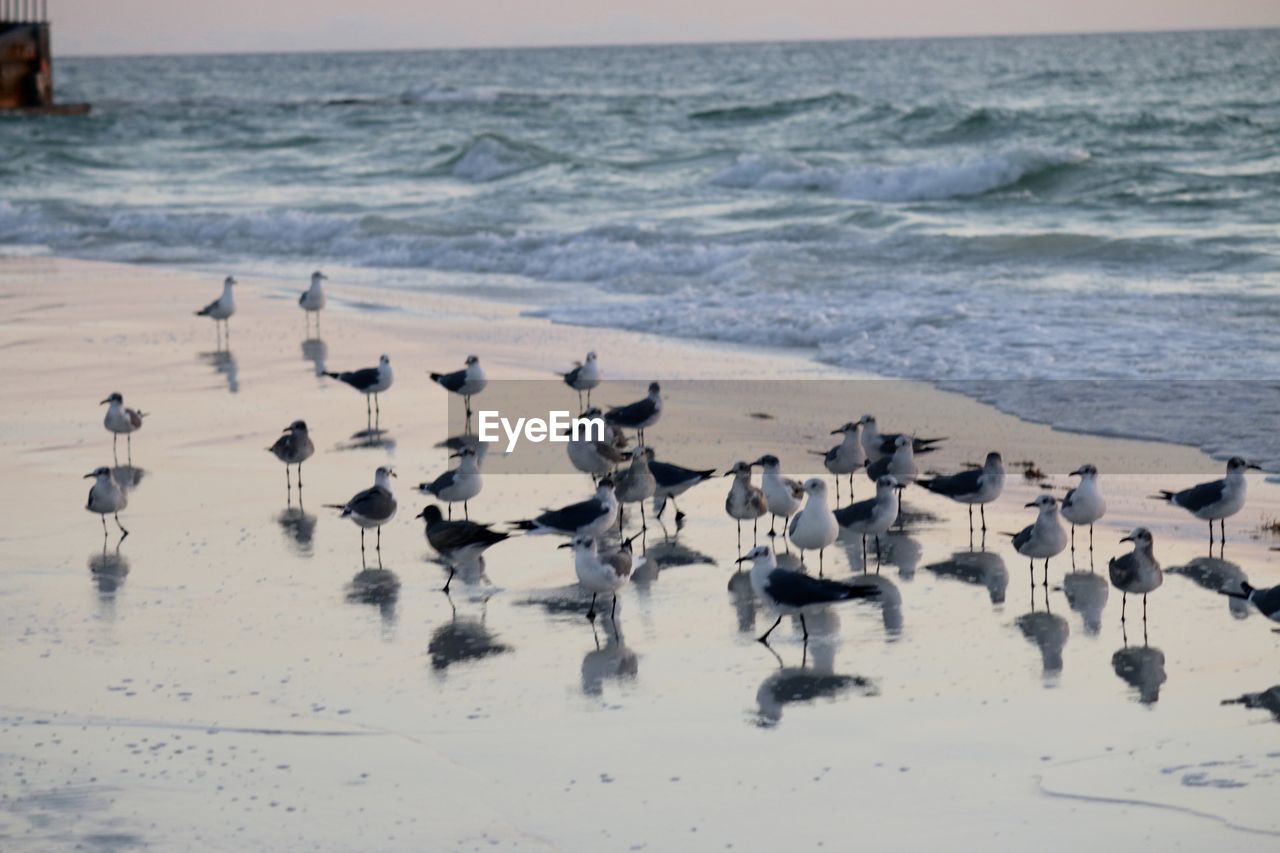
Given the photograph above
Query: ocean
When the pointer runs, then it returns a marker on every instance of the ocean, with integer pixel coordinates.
(989, 214)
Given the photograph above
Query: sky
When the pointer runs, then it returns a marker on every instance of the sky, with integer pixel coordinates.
(95, 27)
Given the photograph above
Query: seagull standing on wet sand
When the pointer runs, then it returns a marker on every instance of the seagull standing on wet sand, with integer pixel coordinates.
(121, 421)
(221, 308)
(1084, 504)
(369, 381)
(814, 526)
(466, 382)
(591, 517)
(782, 495)
(847, 456)
(745, 501)
(584, 377)
(878, 444)
(107, 498)
(293, 448)
(978, 486)
(1044, 538)
(457, 485)
(373, 507)
(872, 517)
(672, 482)
(636, 483)
(457, 541)
(639, 415)
(1216, 500)
(312, 299)
(788, 592)
(1136, 572)
(603, 574)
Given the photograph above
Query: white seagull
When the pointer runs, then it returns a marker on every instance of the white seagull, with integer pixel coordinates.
(1216, 500)
(466, 383)
(457, 485)
(603, 573)
(584, 377)
(1044, 538)
(591, 517)
(814, 527)
(745, 501)
(369, 381)
(592, 456)
(847, 456)
(1136, 572)
(221, 308)
(121, 421)
(636, 483)
(900, 464)
(312, 299)
(782, 494)
(788, 592)
(978, 486)
(1084, 504)
(107, 498)
(373, 507)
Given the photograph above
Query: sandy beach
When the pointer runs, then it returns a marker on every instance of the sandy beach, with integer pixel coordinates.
(222, 680)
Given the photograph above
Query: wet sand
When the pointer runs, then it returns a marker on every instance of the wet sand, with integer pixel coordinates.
(230, 676)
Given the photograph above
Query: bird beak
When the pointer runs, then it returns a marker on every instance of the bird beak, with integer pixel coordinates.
(421, 514)
(1033, 503)
(87, 476)
(565, 545)
(728, 474)
(757, 462)
(740, 560)
(454, 455)
(1079, 472)
(1254, 467)
(394, 474)
(836, 431)
(1127, 539)
(287, 429)
(104, 402)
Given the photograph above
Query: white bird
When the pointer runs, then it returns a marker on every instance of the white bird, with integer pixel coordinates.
(121, 421)
(107, 498)
(901, 464)
(603, 573)
(847, 456)
(373, 507)
(978, 486)
(782, 495)
(591, 517)
(584, 377)
(1084, 504)
(221, 308)
(457, 485)
(1044, 538)
(466, 383)
(1216, 500)
(788, 592)
(312, 300)
(293, 448)
(593, 456)
(369, 381)
(814, 526)
(1136, 572)
(745, 501)
(872, 517)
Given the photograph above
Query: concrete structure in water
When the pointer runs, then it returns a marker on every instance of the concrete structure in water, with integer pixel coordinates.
(26, 60)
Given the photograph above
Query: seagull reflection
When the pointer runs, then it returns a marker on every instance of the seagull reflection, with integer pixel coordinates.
(463, 639)
(612, 662)
(667, 553)
(1268, 699)
(1217, 575)
(367, 439)
(379, 587)
(108, 569)
(316, 351)
(902, 551)
(1048, 631)
(224, 362)
(889, 601)
(809, 683)
(454, 443)
(981, 568)
(1142, 667)
(300, 528)
(1087, 594)
(127, 476)
(744, 601)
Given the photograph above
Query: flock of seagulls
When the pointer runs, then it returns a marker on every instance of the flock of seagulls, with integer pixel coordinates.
(621, 474)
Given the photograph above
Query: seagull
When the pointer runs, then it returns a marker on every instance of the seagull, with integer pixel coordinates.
(1266, 600)
(978, 486)
(223, 307)
(106, 498)
(457, 541)
(1043, 539)
(369, 381)
(120, 420)
(312, 299)
(466, 382)
(1084, 504)
(636, 483)
(585, 518)
(782, 495)
(745, 501)
(814, 527)
(595, 457)
(603, 574)
(788, 592)
(1136, 572)
(879, 444)
(373, 507)
(293, 448)
(1215, 500)
(872, 517)
(584, 376)
(638, 415)
(459, 484)
(901, 463)
(847, 456)
(672, 482)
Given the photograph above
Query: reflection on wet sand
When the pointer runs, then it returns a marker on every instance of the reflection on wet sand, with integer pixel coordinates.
(224, 363)
(667, 553)
(379, 587)
(316, 351)
(108, 569)
(896, 548)
(463, 639)
(1048, 631)
(744, 601)
(127, 476)
(1217, 575)
(613, 661)
(1087, 594)
(465, 568)
(1142, 668)
(982, 568)
(367, 439)
(814, 679)
(299, 527)
(1268, 699)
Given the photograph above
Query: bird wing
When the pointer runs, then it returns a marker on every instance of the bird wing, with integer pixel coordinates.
(673, 475)
(571, 378)
(1122, 569)
(1066, 501)
(953, 485)
(360, 379)
(877, 469)
(444, 481)
(797, 490)
(452, 535)
(855, 512)
(1268, 600)
(572, 516)
(283, 445)
(610, 452)
(1198, 497)
(205, 311)
(797, 589)
(451, 381)
(1023, 536)
(620, 561)
(630, 414)
(134, 416)
(372, 503)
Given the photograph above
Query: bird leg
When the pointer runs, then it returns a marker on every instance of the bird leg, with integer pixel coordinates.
(739, 537)
(466, 512)
(679, 512)
(982, 508)
(1144, 611)
(378, 547)
(1046, 573)
(1090, 540)
(128, 443)
(299, 481)
(820, 551)
(123, 532)
(1073, 540)
(804, 627)
(104, 531)
(755, 531)
(377, 414)
(970, 522)
(864, 553)
(115, 439)
(449, 580)
(1124, 600)
(591, 611)
(613, 612)
(368, 413)
(288, 482)
(764, 638)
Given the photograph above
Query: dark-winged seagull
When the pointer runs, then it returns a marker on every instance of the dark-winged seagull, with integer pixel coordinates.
(872, 517)
(978, 486)
(1084, 504)
(121, 421)
(636, 483)
(1216, 500)
(1045, 537)
(1136, 572)
(900, 464)
(879, 444)
(369, 381)
(221, 309)
(457, 541)
(457, 485)
(466, 383)
(587, 518)
(847, 456)
(106, 498)
(639, 415)
(672, 482)
(373, 507)
(293, 448)
(782, 495)
(814, 527)
(584, 377)
(312, 300)
(745, 501)
(788, 592)
(1266, 600)
(603, 573)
